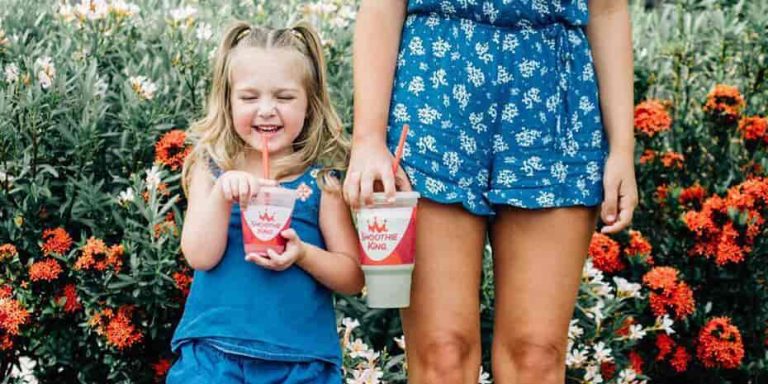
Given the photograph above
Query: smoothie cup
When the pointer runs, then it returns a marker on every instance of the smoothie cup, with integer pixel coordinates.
(387, 234)
(266, 215)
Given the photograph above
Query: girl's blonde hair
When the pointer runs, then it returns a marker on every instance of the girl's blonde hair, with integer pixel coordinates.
(322, 139)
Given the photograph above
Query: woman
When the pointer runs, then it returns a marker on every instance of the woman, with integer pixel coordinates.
(512, 136)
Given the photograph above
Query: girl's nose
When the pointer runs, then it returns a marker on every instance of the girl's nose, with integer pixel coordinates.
(266, 109)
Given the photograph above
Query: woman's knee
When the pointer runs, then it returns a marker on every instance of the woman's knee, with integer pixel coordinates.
(447, 352)
(534, 354)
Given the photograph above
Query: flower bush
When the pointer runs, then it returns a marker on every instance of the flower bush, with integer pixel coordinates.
(95, 99)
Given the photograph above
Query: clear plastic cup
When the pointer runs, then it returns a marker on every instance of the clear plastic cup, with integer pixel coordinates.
(266, 215)
(387, 235)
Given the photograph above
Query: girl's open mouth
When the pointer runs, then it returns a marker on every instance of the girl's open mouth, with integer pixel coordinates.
(267, 128)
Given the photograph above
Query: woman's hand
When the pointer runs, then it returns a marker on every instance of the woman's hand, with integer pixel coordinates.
(620, 192)
(240, 186)
(370, 169)
(295, 251)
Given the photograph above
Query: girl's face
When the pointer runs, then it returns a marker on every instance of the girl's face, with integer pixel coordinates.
(268, 98)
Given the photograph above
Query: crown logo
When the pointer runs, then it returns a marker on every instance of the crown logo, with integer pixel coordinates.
(376, 227)
(266, 217)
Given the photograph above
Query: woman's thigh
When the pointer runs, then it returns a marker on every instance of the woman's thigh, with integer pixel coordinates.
(538, 259)
(444, 295)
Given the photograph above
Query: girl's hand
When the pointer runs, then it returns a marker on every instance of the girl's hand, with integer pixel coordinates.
(240, 186)
(371, 163)
(620, 192)
(295, 251)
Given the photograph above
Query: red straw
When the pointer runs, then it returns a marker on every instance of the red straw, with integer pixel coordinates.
(265, 155)
(400, 145)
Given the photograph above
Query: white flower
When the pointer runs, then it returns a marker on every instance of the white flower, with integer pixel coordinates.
(91, 10)
(126, 196)
(602, 289)
(11, 73)
(636, 332)
(124, 9)
(204, 31)
(665, 323)
(183, 14)
(574, 331)
(143, 87)
(357, 348)
(625, 289)
(100, 88)
(592, 375)
(153, 177)
(400, 342)
(590, 273)
(484, 377)
(46, 71)
(368, 375)
(602, 354)
(596, 312)
(629, 376)
(576, 358)
(350, 324)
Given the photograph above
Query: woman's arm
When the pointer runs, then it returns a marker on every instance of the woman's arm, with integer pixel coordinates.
(610, 36)
(338, 267)
(204, 235)
(376, 43)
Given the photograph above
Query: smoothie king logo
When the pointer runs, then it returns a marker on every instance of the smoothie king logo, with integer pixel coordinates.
(379, 238)
(375, 227)
(267, 217)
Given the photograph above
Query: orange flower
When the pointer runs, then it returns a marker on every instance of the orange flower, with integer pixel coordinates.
(661, 193)
(651, 118)
(56, 241)
(724, 102)
(665, 344)
(69, 299)
(693, 194)
(162, 190)
(12, 316)
(636, 361)
(668, 292)
(648, 156)
(170, 149)
(48, 270)
(605, 253)
(639, 247)
(120, 332)
(680, 359)
(672, 159)
(7, 251)
(95, 255)
(5, 291)
(183, 281)
(753, 128)
(720, 344)
(161, 368)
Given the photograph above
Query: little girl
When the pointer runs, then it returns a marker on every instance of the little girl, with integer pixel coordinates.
(265, 318)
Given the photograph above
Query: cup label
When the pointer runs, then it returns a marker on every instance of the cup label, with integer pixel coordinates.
(266, 221)
(386, 235)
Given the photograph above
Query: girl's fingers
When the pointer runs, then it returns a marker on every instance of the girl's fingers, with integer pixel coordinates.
(243, 190)
(401, 181)
(388, 180)
(610, 202)
(226, 189)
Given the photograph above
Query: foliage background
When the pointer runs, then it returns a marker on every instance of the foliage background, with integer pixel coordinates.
(89, 94)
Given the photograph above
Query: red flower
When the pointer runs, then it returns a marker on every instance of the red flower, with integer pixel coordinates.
(56, 241)
(692, 194)
(651, 118)
(170, 149)
(668, 293)
(661, 194)
(636, 362)
(69, 299)
(753, 128)
(161, 368)
(639, 247)
(720, 344)
(48, 270)
(7, 251)
(183, 281)
(5, 291)
(724, 102)
(665, 344)
(605, 253)
(95, 255)
(672, 159)
(116, 327)
(648, 156)
(607, 370)
(12, 316)
(680, 359)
